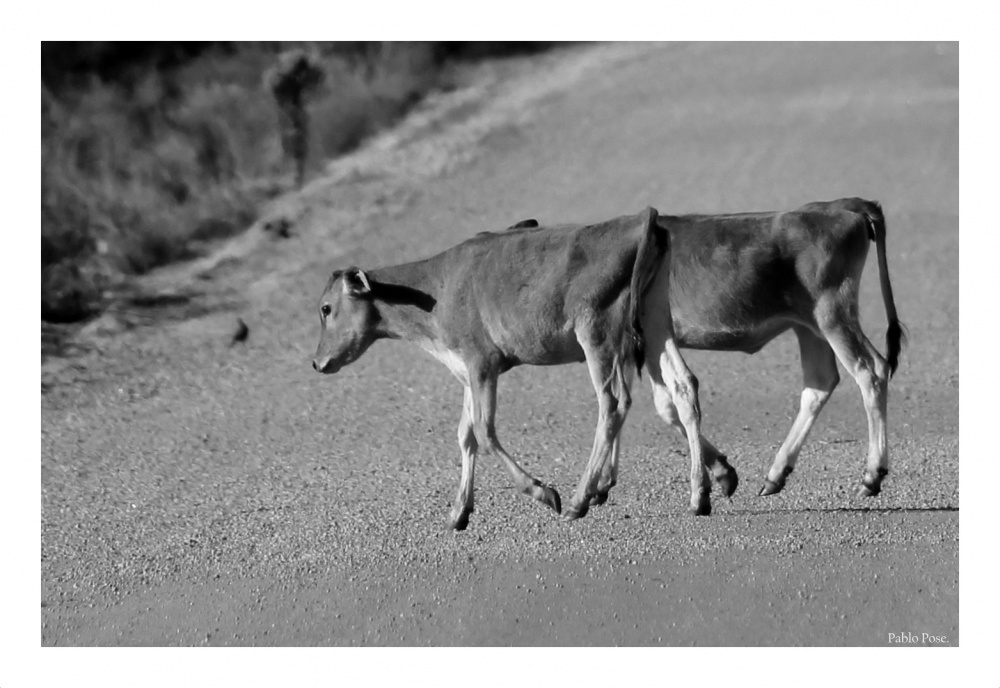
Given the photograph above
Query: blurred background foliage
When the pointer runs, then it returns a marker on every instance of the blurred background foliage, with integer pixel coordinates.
(151, 151)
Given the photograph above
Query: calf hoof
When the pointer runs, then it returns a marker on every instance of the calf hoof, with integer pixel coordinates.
(775, 486)
(459, 521)
(770, 488)
(702, 506)
(867, 490)
(599, 499)
(729, 481)
(576, 511)
(871, 487)
(550, 498)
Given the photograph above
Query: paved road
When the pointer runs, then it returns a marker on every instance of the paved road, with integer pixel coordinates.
(196, 494)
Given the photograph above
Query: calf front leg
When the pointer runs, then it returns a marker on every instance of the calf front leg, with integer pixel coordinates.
(458, 519)
(484, 398)
(819, 379)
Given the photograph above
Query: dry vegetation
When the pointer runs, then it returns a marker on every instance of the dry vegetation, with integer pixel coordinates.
(152, 151)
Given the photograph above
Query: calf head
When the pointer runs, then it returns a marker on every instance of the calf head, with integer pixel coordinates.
(348, 318)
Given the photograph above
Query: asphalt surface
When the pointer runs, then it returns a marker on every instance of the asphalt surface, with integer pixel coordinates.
(197, 493)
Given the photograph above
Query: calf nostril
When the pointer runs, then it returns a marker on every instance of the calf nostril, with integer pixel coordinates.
(315, 367)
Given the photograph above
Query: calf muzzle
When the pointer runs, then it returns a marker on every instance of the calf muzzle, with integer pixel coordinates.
(325, 366)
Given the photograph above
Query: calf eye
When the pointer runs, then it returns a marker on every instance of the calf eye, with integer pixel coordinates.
(325, 310)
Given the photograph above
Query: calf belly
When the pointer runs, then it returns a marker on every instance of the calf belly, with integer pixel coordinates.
(541, 346)
(735, 338)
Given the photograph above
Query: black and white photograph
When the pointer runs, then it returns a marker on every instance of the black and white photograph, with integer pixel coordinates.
(501, 344)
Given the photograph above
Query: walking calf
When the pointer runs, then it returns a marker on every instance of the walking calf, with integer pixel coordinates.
(737, 281)
(528, 295)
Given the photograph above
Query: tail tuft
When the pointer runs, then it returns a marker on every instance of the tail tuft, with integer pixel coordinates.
(638, 350)
(895, 337)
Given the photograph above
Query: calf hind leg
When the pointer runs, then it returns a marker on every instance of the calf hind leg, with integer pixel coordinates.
(672, 380)
(609, 474)
(484, 398)
(611, 377)
(675, 391)
(819, 378)
(863, 361)
(724, 474)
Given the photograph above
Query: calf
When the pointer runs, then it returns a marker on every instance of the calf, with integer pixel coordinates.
(738, 281)
(528, 295)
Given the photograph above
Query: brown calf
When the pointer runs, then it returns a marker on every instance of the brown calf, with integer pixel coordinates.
(529, 295)
(738, 281)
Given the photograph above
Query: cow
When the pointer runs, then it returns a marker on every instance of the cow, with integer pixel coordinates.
(737, 281)
(528, 295)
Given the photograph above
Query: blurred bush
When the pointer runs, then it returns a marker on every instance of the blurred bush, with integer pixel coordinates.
(150, 151)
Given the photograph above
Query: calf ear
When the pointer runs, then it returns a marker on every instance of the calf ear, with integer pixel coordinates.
(524, 224)
(356, 282)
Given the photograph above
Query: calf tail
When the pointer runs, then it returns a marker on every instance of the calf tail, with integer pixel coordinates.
(895, 335)
(654, 244)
